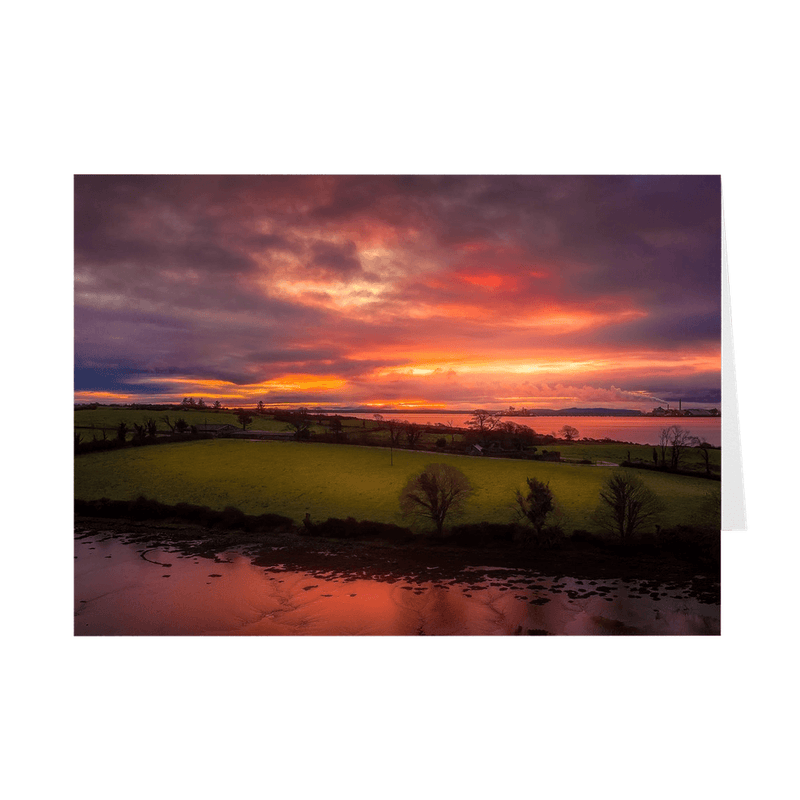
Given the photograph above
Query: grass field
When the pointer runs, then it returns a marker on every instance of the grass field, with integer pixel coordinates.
(328, 480)
(618, 453)
(359, 432)
(110, 418)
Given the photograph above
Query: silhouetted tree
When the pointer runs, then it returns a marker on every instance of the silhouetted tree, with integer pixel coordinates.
(674, 440)
(439, 490)
(122, 431)
(152, 428)
(535, 504)
(626, 505)
(395, 428)
(217, 405)
(165, 419)
(519, 435)
(244, 417)
(482, 420)
(298, 421)
(663, 444)
(413, 433)
(181, 426)
(705, 454)
(336, 427)
(260, 406)
(681, 439)
(569, 433)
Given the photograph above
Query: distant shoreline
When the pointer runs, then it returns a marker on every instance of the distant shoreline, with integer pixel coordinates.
(572, 413)
(343, 412)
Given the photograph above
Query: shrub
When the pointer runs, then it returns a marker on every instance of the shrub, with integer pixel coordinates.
(546, 537)
(143, 508)
(335, 528)
(581, 535)
(231, 518)
(482, 534)
(536, 505)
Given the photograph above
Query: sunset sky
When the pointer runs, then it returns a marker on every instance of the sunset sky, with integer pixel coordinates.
(448, 291)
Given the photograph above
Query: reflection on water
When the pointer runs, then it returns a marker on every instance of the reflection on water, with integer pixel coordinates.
(641, 430)
(123, 589)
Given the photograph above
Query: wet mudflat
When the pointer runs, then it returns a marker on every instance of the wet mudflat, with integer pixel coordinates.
(124, 586)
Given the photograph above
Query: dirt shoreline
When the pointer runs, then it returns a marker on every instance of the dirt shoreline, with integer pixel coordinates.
(411, 562)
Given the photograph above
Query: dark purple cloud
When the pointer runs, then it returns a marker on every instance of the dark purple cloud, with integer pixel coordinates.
(244, 279)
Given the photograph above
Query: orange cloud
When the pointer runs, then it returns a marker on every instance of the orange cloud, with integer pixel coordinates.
(488, 281)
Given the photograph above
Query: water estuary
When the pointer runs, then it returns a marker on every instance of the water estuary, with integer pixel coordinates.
(124, 588)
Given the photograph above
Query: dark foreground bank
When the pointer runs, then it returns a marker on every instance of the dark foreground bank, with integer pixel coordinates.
(674, 557)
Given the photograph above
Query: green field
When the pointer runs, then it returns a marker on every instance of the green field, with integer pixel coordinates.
(359, 432)
(617, 453)
(110, 418)
(328, 480)
(90, 423)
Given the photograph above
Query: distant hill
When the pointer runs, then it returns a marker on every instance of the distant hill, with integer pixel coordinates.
(583, 412)
(539, 412)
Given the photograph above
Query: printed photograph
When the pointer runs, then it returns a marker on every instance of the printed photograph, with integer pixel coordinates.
(397, 405)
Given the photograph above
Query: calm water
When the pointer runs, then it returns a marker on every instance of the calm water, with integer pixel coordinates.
(125, 589)
(639, 430)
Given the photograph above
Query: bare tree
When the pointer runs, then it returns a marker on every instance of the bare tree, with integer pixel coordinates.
(395, 428)
(663, 444)
(217, 405)
(483, 421)
(413, 433)
(705, 454)
(569, 433)
(439, 490)
(626, 505)
(675, 440)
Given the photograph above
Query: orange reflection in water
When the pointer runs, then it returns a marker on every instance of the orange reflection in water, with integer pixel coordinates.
(129, 590)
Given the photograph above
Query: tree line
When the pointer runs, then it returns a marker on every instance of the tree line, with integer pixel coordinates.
(625, 505)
